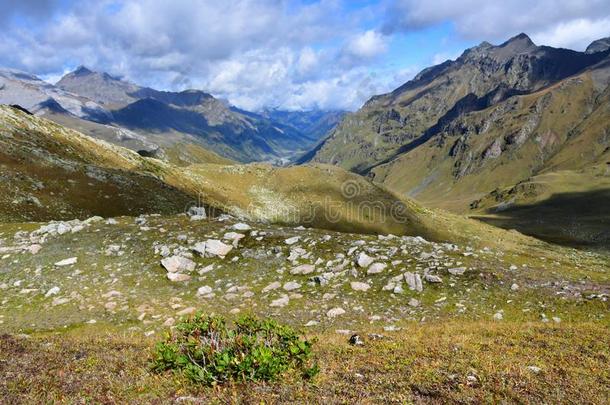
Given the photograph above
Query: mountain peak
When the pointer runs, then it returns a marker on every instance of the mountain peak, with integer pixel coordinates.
(519, 41)
(600, 45)
(82, 71)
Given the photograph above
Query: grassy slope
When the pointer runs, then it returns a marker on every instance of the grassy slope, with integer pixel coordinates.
(449, 337)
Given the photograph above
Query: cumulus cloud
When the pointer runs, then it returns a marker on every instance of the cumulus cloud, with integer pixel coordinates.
(552, 21)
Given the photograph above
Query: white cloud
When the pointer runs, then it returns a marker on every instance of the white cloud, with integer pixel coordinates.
(552, 21)
(367, 45)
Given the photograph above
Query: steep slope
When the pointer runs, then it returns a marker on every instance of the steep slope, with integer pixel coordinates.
(189, 116)
(482, 76)
(53, 172)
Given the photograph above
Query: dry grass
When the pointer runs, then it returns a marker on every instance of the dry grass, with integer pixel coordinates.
(480, 362)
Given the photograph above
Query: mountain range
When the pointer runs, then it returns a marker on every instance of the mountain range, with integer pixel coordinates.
(499, 128)
(183, 127)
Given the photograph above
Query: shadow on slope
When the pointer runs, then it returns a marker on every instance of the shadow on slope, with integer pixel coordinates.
(577, 219)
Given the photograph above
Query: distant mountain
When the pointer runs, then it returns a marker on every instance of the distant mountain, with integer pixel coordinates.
(495, 117)
(190, 116)
(314, 123)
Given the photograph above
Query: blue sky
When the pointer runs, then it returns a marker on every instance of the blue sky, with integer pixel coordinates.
(292, 54)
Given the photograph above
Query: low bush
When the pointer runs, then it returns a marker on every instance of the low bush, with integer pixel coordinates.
(205, 350)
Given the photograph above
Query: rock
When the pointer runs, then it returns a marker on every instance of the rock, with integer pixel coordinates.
(280, 302)
(334, 312)
(169, 322)
(364, 260)
(391, 328)
(431, 278)
(273, 286)
(34, 249)
(398, 289)
(187, 311)
(176, 264)
(498, 316)
(303, 269)
(110, 306)
(215, 247)
(414, 282)
(359, 286)
(291, 285)
(513, 267)
(199, 248)
(52, 291)
(178, 277)
(196, 213)
(311, 323)
(234, 236)
(205, 290)
(556, 319)
(293, 240)
(457, 271)
(376, 268)
(241, 227)
(534, 369)
(514, 287)
(413, 303)
(67, 262)
(63, 228)
(356, 340)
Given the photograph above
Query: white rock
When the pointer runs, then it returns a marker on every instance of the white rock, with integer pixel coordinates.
(498, 316)
(334, 312)
(215, 247)
(364, 260)
(303, 269)
(241, 227)
(63, 228)
(205, 290)
(178, 277)
(273, 286)
(67, 262)
(359, 286)
(457, 271)
(431, 278)
(175, 264)
(413, 302)
(311, 323)
(52, 291)
(293, 240)
(413, 280)
(291, 285)
(376, 268)
(534, 369)
(35, 248)
(514, 287)
(186, 311)
(280, 302)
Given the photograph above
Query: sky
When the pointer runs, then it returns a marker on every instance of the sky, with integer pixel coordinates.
(288, 54)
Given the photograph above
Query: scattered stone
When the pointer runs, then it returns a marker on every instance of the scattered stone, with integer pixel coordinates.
(303, 269)
(457, 271)
(311, 323)
(169, 322)
(178, 277)
(175, 264)
(273, 286)
(514, 287)
(215, 247)
(414, 282)
(241, 227)
(280, 302)
(35, 248)
(334, 312)
(359, 286)
(364, 260)
(534, 369)
(431, 278)
(67, 262)
(196, 213)
(52, 291)
(291, 285)
(376, 268)
(498, 316)
(205, 290)
(413, 303)
(293, 240)
(186, 311)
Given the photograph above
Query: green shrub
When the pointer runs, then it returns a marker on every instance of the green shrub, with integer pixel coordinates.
(206, 351)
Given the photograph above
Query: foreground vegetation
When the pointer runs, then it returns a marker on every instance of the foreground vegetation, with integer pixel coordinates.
(428, 363)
